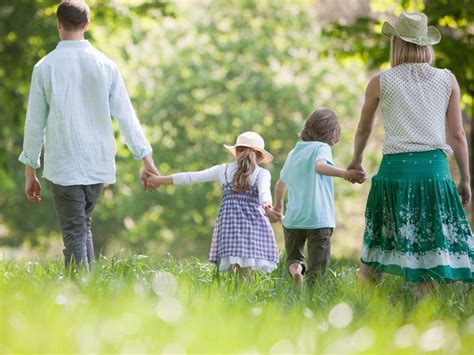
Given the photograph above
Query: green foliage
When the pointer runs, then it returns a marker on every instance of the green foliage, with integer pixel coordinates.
(200, 73)
(140, 305)
(213, 72)
(197, 79)
(453, 18)
(27, 33)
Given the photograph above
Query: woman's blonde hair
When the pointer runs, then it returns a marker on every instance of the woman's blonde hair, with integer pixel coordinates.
(247, 160)
(405, 52)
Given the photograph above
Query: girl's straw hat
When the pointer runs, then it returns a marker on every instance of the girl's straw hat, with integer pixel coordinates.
(252, 140)
(413, 28)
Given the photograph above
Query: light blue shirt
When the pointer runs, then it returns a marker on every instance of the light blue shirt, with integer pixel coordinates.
(310, 195)
(74, 91)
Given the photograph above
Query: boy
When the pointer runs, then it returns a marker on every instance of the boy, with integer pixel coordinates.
(309, 216)
(74, 92)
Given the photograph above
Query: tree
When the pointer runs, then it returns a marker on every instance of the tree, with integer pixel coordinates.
(197, 80)
(27, 33)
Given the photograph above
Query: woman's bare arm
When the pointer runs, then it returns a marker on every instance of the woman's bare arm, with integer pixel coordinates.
(366, 122)
(458, 141)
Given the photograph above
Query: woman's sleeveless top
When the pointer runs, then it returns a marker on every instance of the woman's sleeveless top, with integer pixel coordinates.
(414, 98)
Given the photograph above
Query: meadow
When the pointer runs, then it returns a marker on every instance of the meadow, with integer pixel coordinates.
(139, 304)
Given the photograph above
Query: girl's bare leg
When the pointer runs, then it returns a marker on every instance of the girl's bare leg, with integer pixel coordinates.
(245, 273)
(235, 268)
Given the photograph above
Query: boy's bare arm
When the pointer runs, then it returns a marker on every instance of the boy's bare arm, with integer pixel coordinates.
(323, 168)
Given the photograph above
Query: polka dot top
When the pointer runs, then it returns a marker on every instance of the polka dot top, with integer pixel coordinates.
(414, 100)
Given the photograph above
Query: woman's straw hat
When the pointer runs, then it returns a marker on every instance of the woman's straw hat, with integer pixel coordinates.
(413, 28)
(252, 140)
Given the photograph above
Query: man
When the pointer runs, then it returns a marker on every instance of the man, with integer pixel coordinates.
(74, 92)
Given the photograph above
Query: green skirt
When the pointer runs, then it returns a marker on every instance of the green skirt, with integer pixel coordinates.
(415, 223)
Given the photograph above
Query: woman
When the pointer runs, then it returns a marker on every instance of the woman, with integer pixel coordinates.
(415, 223)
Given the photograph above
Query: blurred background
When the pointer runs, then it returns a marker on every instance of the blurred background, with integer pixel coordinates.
(199, 73)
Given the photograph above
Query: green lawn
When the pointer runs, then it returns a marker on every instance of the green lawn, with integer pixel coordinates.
(138, 305)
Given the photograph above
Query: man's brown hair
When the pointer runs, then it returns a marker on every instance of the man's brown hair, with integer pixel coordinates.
(322, 126)
(73, 14)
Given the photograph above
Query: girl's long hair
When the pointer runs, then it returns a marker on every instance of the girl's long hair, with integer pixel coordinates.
(247, 160)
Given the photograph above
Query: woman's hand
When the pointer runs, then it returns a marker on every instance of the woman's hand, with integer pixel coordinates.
(464, 190)
(355, 165)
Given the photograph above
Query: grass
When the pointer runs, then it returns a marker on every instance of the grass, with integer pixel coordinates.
(144, 305)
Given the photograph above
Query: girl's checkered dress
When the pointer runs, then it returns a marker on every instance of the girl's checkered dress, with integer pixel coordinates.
(242, 229)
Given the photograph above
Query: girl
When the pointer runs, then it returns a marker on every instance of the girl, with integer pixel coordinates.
(415, 224)
(243, 239)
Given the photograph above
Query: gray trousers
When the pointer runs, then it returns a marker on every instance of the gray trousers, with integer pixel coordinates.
(319, 249)
(74, 206)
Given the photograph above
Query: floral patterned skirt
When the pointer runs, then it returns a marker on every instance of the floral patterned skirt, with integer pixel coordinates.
(415, 223)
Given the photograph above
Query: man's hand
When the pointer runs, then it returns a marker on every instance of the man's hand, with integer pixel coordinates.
(148, 166)
(32, 185)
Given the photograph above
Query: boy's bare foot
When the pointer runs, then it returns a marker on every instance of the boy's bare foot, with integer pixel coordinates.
(297, 279)
(296, 271)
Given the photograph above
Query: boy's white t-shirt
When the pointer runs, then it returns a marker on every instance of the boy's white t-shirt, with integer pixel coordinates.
(310, 195)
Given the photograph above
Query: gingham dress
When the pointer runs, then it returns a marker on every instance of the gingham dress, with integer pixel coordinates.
(242, 230)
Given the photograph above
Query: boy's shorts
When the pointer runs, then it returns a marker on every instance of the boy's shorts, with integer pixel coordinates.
(319, 249)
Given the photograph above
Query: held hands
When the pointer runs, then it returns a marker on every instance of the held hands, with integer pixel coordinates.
(148, 168)
(273, 215)
(355, 176)
(355, 173)
(151, 178)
